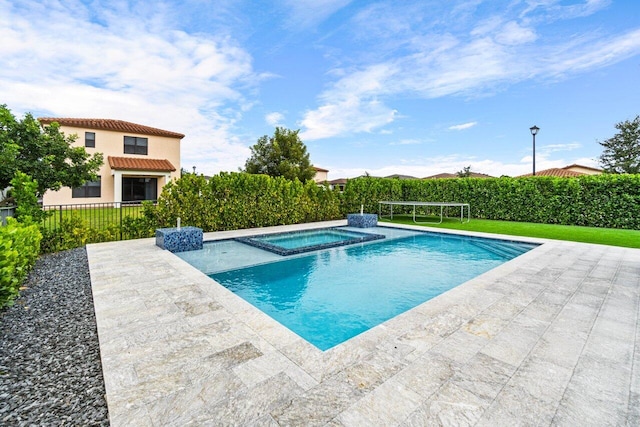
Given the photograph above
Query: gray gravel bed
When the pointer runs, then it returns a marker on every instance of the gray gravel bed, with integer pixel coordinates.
(50, 370)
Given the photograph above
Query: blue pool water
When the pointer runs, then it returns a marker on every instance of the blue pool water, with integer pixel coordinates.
(308, 238)
(330, 296)
(296, 242)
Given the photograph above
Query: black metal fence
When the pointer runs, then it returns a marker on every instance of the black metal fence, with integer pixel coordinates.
(108, 217)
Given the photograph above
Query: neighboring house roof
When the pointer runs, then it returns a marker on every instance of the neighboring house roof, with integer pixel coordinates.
(317, 169)
(557, 172)
(109, 124)
(441, 175)
(479, 175)
(135, 164)
(576, 166)
(398, 176)
(338, 181)
(453, 175)
(565, 172)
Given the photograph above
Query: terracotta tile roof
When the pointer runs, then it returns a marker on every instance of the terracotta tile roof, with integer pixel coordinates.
(136, 164)
(317, 169)
(582, 167)
(109, 124)
(557, 172)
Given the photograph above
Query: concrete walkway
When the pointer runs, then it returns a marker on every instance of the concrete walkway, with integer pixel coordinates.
(549, 338)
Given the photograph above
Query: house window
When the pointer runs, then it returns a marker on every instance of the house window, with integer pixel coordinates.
(137, 189)
(89, 189)
(90, 139)
(135, 145)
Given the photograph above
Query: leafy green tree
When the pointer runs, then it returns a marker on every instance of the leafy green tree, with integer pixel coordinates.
(24, 190)
(282, 154)
(622, 151)
(43, 153)
(465, 172)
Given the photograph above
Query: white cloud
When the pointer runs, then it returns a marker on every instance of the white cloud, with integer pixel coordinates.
(423, 167)
(514, 34)
(436, 62)
(308, 13)
(406, 142)
(58, 61)
(274, 119)
(554, 10)
(345, 116)
(463, 126)
(552, 148)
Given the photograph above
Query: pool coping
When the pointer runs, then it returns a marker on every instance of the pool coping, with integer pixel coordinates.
(279, 250)
(178, 348)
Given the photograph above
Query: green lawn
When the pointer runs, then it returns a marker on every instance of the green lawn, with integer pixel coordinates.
(100, 217)
(603, 236)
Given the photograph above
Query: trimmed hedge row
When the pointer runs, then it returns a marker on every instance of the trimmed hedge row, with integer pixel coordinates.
(19, 249)
(608, 201)
(230, 201)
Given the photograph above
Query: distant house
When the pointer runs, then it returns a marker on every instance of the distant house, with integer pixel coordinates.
(453, 175)
(398, 176)
(567, 171)
(138, 161)
(321, 175)
(338, 184)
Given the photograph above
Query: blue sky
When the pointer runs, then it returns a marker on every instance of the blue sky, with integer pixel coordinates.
(408, 87)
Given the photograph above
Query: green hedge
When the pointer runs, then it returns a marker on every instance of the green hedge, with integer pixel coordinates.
(609, 201)
(74, 231)
(231, 201)
(19, 248)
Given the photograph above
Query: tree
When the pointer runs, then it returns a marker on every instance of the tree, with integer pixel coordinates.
(283, 154)
(465, 172)
(622, 151)
(43, 153)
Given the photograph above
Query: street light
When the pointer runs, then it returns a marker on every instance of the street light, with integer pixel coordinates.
(534, 130)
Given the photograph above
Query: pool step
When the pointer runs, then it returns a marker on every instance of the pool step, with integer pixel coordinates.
(504, 249)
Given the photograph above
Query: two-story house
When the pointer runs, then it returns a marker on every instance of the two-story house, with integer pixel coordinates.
(138, 161)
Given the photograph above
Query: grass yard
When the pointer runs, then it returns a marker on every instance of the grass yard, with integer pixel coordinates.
(97, 217)
(602, 236)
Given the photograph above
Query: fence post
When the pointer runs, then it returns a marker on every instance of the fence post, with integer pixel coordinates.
(121, 208)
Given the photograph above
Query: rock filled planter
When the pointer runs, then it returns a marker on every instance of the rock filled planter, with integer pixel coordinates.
(50, 369)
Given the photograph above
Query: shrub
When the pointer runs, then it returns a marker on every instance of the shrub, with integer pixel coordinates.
(231, 201)
(24, 193)
(19, 248)
(74, 232)
(610, 201)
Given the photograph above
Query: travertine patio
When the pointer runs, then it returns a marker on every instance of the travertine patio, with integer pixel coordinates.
(549, 338)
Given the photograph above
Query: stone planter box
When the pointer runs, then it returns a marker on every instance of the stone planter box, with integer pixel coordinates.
(179, 239)
(362, 220)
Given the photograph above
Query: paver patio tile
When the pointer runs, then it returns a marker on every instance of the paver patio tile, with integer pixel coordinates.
(549, 338)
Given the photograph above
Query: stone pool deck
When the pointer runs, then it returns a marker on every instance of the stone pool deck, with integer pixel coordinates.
(549, 338)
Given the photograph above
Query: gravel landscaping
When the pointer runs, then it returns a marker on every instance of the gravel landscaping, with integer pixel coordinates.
(50, 370)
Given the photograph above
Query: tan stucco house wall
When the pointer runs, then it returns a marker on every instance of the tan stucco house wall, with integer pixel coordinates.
(124, 177)
(321, 175)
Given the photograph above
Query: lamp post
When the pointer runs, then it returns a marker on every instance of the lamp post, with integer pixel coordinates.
(534, 130)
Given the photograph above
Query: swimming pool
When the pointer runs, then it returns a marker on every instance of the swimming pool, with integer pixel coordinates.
(296, 242)
(332, 295)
